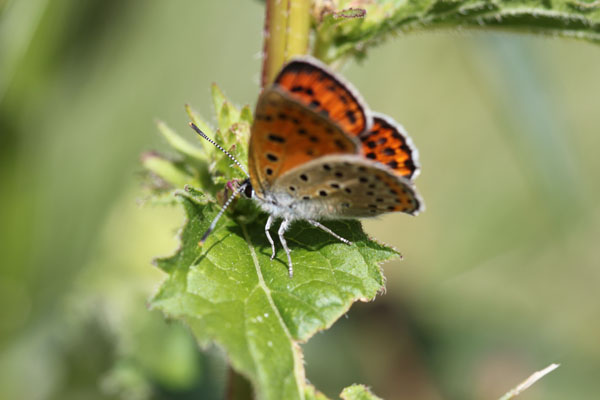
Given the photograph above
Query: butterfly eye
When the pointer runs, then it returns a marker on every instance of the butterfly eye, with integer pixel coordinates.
(248, 190)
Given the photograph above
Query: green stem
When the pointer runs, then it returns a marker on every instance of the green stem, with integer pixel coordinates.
(287, 25)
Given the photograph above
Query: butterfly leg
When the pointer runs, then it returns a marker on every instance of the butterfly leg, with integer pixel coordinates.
(326, 229)
(267, 227)
(282, 228)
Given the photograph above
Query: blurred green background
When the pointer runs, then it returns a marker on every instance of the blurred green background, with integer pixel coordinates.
(501, 274)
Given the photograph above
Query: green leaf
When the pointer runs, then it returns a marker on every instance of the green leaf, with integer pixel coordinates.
(310, 393)
(358, 392)
(218, 98)
(227, 114)
(172, 173)
(182, 146)
(246, 115)
(338, 37)
(230, 292)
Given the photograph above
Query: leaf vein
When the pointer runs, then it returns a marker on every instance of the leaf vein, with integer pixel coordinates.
(298, 368)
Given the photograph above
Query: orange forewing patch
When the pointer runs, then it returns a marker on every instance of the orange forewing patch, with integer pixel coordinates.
(285, 134)
(321, 91)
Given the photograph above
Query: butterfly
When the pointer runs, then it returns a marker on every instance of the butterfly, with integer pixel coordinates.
(317, 152)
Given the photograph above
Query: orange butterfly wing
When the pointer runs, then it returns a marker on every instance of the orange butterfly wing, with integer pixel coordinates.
(388, 144)
(313, 85)
(286, 134)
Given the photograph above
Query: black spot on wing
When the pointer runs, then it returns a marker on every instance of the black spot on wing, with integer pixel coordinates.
(275, 138)
(340, 144)
(351, 117)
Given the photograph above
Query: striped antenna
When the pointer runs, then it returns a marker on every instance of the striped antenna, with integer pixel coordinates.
(228, 154)
(227, 203)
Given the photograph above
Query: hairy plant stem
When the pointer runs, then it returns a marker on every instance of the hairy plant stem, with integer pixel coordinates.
(287, 27)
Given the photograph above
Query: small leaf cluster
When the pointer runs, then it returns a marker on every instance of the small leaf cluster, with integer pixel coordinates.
(200, 165)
